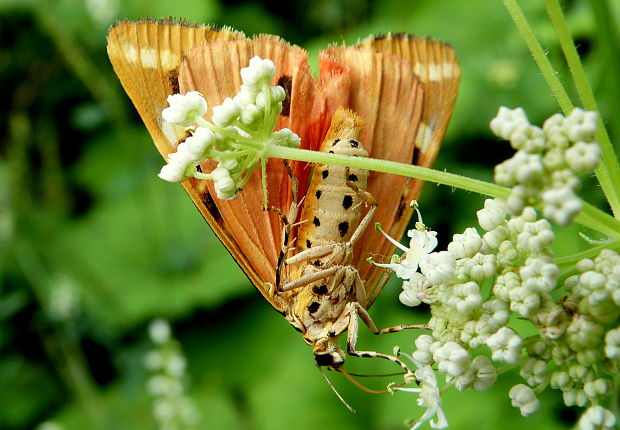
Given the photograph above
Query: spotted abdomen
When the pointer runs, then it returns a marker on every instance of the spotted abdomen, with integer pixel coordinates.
(332, 207)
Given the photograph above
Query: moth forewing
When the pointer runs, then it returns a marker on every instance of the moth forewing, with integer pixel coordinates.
(208, 69)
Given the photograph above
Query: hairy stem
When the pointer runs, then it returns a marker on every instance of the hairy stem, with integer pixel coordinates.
(608, 172)
(539, 55)
(590, 216)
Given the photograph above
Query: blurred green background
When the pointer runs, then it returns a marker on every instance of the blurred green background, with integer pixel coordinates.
(93, 246)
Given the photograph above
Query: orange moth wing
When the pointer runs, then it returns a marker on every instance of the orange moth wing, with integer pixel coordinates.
(154, 59)
(212, 69)
(404, 88)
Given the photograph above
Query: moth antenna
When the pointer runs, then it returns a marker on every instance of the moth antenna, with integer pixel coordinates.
(383, 375)
(358, 385)
(363, 387)
(344, 402)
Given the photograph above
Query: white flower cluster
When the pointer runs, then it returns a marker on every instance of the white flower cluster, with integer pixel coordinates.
(241, 128)
(515, 258)
(483, 279)
(171, 407)
(548, 160)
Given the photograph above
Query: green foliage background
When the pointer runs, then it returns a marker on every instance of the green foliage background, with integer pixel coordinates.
(81, 209)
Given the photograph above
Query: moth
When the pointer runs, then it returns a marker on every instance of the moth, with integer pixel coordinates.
(391, 95)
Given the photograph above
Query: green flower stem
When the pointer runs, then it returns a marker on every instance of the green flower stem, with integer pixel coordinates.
(263, 170)
(615, 397)
(607, 42)
(386, 166)
(594, 218)
(230, 134)
(591, 253)
(70, 361)
(202, 176)
(539, 56)
(590, 216)
(608, 173)
(81, 62)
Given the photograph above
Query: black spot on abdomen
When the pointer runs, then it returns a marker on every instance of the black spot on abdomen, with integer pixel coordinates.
(313, 307)
(319, 291)
(347, 201)
(343, 228)
(325, 173)
(353, 177)
(318, 194)
(316, 221)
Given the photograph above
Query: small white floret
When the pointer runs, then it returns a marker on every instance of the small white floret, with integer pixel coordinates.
(159, 331)
(524, 398)
(438, 267)
(259, 72)
(505, 345)
(225, 187)
(185, 108)
(597, 418)
(226, 113)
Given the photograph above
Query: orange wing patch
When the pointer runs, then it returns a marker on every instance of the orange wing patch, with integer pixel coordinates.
(405, 89)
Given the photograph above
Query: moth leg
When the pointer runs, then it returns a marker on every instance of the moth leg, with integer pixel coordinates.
(363, 314)
(294, 182)
(288, 221)
(340, 250)
(308, 254)
(309, 278)
(355, 310)
(367, 198)
(285, 238)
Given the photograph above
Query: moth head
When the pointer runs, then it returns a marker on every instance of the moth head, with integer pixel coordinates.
(327, 352)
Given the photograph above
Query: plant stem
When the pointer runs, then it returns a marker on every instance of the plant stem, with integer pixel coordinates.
(608, 172)
(423, 173)
(570, 260)
(607, 50)
(98, 84)
(594, 218)
(590, 216)
(539, 56)
(72, 361)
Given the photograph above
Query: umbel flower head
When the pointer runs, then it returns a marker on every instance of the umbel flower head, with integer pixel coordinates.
(241, 128)
(486, 280)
